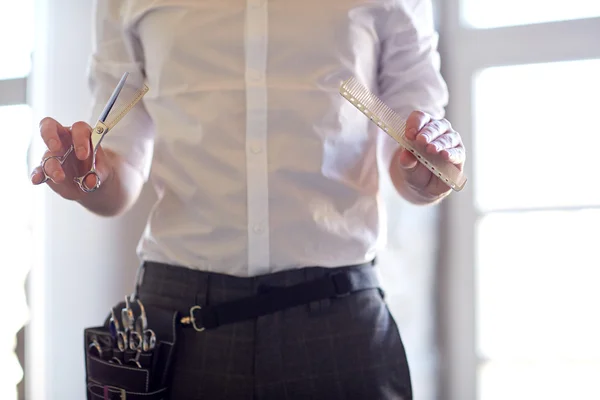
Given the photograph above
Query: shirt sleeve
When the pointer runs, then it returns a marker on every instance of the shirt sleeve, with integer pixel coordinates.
(115, 51)
(409, 74)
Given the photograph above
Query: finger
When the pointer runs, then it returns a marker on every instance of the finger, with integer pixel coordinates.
(418, 177)
(37, 176)
(90, 180)
(432, 130)
(456, 155)
(447, 140)
(51, 131)
(54, 170)
(415, 122)
(81, 133)
(415, 173)
(407, 160)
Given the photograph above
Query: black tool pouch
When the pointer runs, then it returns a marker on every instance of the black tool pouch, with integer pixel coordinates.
(131, 375)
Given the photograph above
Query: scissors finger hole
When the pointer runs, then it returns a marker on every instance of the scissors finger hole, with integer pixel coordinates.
(122, 341)
(149, 340)
(95, 349)
(88, 182)
(51, 166)
(135, 341)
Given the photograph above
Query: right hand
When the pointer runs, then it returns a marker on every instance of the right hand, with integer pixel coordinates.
(58, 139)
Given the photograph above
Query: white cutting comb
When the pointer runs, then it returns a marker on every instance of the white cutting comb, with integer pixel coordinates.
(394, 125)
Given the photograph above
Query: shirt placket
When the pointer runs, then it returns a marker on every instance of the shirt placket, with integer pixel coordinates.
(256, 42)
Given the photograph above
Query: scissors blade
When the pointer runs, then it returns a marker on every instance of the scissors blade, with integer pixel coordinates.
(125, 110)
(113, 98)
(103, 126)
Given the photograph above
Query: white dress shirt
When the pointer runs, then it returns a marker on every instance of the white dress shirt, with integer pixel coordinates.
(258, 162)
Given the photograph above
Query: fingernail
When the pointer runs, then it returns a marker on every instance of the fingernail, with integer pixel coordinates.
(56, 175)
(426, 137)
(53, 144)
(32, 177)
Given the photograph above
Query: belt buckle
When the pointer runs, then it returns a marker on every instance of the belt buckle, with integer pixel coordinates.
(110, 390)
(191, 320)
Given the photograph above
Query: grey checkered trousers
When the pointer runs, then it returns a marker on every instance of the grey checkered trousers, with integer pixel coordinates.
(344, 348)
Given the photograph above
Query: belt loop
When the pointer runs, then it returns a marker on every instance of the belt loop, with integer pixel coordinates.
(203, 289)
(139, 279)
(312, 273)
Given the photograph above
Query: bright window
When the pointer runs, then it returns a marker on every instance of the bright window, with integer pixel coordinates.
(543, 111)
(537, 297)
(16, 38)
(16, 44)
(497, 13)
(15, 234)
(521, 267)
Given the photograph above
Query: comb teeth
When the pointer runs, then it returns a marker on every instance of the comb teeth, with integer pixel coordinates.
(136, 98)
(394, 125)
(374, 108)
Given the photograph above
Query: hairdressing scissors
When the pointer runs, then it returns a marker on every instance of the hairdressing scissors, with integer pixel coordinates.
(116, 332)
(128, 320)
(100, 130)
(142, 338)
(95, 348)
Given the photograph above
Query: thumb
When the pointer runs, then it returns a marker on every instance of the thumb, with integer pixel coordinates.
(407, 160)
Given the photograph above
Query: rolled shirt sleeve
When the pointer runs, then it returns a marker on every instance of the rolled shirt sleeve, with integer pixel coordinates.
(409, 74)
(116, 50)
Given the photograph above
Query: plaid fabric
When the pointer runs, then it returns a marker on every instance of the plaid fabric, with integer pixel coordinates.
(345, 348)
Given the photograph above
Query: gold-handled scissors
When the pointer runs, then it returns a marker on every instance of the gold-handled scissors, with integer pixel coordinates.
(100, 130)
(142, 338)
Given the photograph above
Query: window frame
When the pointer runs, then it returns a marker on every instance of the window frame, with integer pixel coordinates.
(544, 42)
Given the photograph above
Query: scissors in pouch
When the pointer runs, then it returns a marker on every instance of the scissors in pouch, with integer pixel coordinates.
(142, 340)
(95, 348)
(119, 336)
(100, 130)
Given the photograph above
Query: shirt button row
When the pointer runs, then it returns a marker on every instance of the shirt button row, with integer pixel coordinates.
(255, 75)
(256, 3)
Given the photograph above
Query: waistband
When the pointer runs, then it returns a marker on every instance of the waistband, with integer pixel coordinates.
(210, 299)
(163, 278)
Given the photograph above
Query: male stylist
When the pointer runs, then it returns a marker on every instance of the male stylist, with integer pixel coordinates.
(266, 178)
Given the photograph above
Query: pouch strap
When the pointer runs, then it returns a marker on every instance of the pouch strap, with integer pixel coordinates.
(271, 299)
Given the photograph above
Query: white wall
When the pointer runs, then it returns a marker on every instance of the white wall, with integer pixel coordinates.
(84, 263)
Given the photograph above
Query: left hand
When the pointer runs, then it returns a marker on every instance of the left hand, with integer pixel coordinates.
(439, 137)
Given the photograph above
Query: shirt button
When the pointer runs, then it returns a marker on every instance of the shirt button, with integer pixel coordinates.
(258, 229)
(255, 148)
